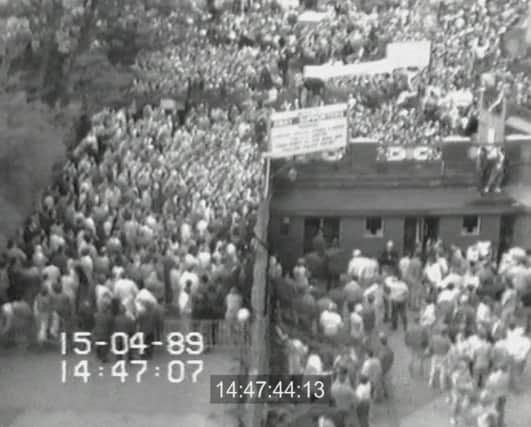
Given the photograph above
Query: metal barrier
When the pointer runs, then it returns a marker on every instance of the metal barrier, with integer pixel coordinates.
(217, 333)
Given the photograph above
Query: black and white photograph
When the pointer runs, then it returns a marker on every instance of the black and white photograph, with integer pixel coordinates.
(265, 213)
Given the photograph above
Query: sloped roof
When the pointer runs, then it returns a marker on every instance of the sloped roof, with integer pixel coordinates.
(364, 201)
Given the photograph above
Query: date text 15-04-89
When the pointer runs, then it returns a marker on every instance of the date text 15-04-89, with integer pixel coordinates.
(120, 343)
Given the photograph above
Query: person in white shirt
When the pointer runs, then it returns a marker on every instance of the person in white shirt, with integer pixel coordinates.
(189, 276)
(509, 302)
(324, 421)
(453, 277)
(403, 265)
(518, 346)
(363, 396)
(301, 274)
(331, 321)
(314, 364)
(399, 295)
(357, 331)
(429, 315)
(484, 313)
(471, 278)
(355, 264)
(126, 291)
(185, 308)
(376, 290)
(433, 272)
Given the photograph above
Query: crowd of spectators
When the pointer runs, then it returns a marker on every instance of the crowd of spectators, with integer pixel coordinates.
(164, 195)
(461, 312)
(262, 52)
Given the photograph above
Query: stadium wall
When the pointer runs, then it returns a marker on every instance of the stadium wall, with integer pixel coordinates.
(259, 350)
(353, 236)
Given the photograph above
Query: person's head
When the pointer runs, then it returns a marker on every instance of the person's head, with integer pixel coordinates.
(188, 286)
(383, 339)
(390, 245)
(57, 287)
(462, 365)
(363, 379)
(343, 373)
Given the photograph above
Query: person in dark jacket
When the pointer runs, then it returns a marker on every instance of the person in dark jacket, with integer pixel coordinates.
(387, 358)
(417, 340)
(103, 324)
(147, 323)
(122, 324)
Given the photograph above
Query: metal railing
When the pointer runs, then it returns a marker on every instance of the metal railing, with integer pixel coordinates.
(217, 333)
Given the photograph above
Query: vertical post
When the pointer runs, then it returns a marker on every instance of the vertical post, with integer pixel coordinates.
(528, 30)
(267, 176)
(258, 363)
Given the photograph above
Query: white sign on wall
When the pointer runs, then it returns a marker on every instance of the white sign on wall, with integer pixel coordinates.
(308, 130)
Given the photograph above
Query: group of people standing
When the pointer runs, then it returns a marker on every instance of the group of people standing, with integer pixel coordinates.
(461, 313)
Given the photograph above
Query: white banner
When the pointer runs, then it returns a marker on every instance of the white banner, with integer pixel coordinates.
(312, 17)
(309, 130)
(409, 54)
(399, 55)
(288, 4)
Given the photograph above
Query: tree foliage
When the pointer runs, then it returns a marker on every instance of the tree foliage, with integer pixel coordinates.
(31, 142)
(59, 60)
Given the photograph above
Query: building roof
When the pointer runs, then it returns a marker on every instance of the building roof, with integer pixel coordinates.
(521, 193)
(403, 201)
(519, 124)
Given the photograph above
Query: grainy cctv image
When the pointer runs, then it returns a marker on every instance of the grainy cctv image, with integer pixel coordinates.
(265, 213)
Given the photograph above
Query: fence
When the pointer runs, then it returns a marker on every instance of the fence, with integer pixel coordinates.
(259, 350)
(217, 334)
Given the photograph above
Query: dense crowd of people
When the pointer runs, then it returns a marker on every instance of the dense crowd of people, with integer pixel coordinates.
(262, 54)
(154, 209)
(463, 312)
(147, 215)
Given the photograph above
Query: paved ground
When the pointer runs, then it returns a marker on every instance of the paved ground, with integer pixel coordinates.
(416, 405)
(32, 394)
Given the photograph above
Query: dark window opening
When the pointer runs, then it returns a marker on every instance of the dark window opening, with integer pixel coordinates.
(470, 225)
(374, 226)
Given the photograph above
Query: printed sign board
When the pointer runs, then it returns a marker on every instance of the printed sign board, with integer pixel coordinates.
(309, 130)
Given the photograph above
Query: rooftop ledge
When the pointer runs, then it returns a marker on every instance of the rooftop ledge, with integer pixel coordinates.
(449, 139)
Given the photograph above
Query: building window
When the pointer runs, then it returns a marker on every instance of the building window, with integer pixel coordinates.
(470, 225)
(321, 231)
(374, 226)
(284, 226)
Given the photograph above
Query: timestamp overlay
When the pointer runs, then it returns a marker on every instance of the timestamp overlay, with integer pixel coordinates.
(126, 358)
(292, 389)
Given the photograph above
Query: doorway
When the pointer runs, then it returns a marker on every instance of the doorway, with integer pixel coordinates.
(411, 234)
(418, 231)
(506, 234)
(430, 230)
